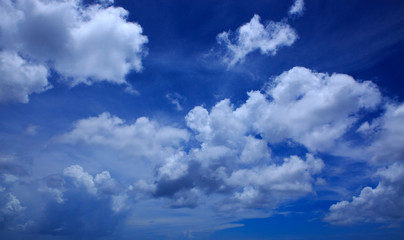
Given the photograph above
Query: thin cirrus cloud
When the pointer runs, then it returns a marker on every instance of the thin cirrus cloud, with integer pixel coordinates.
(254, 36)
(83, 43)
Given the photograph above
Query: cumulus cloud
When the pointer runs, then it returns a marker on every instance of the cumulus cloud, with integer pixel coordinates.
(20, 78)
(83, 43)
(234, 155)
(254, 36)
(297, 8)
(384, 203)
(314, 109)
(76, 203)
(267, 186)
(143, 138)
(387, 133)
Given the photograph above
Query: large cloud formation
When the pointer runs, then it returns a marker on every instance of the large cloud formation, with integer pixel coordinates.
(226, 158)
(385, 202)
(233, 156)
(83, 43)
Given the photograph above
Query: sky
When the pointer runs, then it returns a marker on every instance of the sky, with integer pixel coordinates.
(156, 119)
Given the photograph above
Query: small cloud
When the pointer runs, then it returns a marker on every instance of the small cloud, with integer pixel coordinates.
(297, 8)
(129, 89)
(31, 130)
(175, 99)
(254, 36)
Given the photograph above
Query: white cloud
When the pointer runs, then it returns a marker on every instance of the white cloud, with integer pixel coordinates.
(254, 151)
(84, 43)
(174, 167)
(20, 78)
(81, 178)
(175, 99)
(269, 185)
(297, 7)
(314, 109)
(143, 138)
(254, 36)
(388, 134)
(384, 203)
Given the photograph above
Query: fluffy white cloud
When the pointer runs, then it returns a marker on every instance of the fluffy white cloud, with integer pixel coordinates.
(297, 7)
(143, 138)
(314, 109)
(384, 203)
(255, 36)
(84, 43)
(388, 134)
(20, 78)
(268, 185)
(81, 177)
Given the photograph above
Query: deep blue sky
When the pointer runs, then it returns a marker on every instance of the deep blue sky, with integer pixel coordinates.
(201, 119)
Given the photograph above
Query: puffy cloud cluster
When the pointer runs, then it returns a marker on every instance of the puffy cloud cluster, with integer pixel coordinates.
(12, 169)
(143, 138)
(254, 36)
(83, 43)
(76, 203)
(72, 203)
(384, 203)
(232, 158)
(314, 109)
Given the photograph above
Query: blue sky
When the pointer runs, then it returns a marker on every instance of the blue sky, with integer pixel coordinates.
(201, 119)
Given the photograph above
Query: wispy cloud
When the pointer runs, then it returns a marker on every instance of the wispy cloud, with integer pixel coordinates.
(297, 8)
